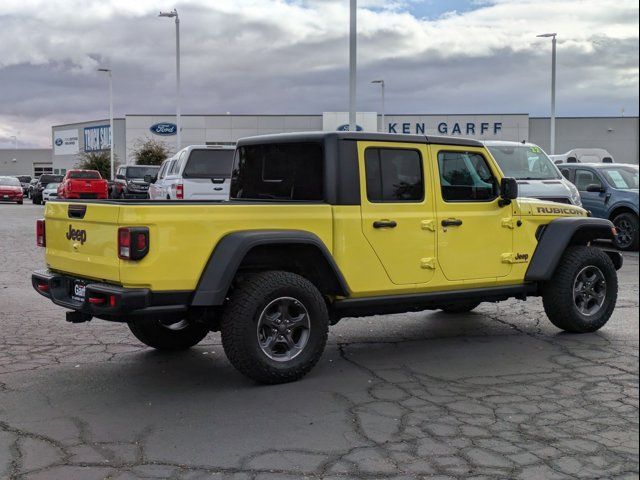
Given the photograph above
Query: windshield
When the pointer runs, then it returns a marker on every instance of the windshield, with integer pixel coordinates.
(524, 162)
(141, 171)
(10, 181)
(52, 186)
(209, 164)
(623, 178)
(86, 174)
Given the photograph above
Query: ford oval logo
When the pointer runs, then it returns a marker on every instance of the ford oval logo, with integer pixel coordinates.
(59, 141)
(164, 128)
(345, 128)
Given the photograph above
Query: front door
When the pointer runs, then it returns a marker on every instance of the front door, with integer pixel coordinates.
(595, 202)
(397, 209)
(474, 238)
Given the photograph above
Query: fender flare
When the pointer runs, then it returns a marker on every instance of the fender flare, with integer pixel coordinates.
(228, 254)
(557, 236)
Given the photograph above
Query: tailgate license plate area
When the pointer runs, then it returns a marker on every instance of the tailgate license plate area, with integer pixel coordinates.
(78, 289)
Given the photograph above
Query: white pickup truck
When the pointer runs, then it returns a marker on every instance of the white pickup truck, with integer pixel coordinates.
(197, 172)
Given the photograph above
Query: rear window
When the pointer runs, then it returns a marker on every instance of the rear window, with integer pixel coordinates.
(141, 171)
(45, 179)
(287, 171)
(86, 174)
(24, 178)
(209, 164)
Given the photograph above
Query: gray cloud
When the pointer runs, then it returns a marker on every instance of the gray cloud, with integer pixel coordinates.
(268, 56)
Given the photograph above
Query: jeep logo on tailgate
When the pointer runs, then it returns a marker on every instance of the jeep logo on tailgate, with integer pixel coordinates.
(77, 235)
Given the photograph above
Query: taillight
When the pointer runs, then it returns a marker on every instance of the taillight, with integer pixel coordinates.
(180, 191)
(41, 239)
(133, 243)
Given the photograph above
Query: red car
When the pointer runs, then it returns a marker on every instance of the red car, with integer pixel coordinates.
(83, 184)
(11, 190)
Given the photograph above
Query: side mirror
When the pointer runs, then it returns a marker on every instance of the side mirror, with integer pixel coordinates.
(595, 188)
(508, 191)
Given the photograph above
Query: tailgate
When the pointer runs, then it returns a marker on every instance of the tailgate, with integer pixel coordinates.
(82, 239)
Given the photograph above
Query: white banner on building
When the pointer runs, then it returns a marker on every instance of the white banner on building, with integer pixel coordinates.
(66, 142)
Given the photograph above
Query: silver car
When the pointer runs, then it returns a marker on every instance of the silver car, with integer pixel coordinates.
(537, 176)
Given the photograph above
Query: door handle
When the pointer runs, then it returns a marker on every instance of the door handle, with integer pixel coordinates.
(451, 222)
(384, 224)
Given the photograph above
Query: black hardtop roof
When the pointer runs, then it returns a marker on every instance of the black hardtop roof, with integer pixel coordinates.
(320, 137)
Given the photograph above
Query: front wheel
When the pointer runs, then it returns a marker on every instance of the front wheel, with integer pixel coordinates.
(627, 227)
(168, 336)
(581, 295)
(274, 328)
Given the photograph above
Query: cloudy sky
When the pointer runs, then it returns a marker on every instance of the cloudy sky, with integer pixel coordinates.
(279, 56)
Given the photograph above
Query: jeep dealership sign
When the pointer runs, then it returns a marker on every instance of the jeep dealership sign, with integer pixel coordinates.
(65, 142)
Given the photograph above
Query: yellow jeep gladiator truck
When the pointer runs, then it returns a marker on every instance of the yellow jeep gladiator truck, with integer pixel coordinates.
(322, 226)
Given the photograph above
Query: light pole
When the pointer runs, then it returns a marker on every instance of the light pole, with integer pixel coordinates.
(174, 14)
(353, 31)
(381, 82)
(111, 135)
(552, 140)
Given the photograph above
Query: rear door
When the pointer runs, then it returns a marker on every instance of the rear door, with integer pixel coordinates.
(156, 188)
(82, 239)
(472, 237)
(206, 174)
(397, 209)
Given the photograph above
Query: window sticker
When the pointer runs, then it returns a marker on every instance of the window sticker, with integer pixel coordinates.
(535, 149)
(617, 179)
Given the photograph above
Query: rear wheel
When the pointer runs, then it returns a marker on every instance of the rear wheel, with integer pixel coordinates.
(582, 294)
(274, 328)
(458, 307)
(627, 227)
(168, 336)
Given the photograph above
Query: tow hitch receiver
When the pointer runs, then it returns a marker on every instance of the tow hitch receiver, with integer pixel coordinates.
(78, 317)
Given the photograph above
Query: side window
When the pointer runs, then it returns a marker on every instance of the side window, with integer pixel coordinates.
(393, 175)
(175, 165)
(162, 171)
(466, 177)
(584, 178)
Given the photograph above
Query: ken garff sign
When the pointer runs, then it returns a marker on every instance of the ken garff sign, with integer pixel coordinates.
(97, 138)
(448, 128)
(164, 129)
(345, 128)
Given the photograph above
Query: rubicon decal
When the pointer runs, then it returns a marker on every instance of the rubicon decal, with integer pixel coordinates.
(77, 235)
(557, 210)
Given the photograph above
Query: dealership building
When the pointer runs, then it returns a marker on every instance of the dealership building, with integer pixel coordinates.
(618, 135)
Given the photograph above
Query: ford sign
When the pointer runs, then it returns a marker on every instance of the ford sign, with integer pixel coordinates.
(345, 128)
(164, 129)
(59, 141)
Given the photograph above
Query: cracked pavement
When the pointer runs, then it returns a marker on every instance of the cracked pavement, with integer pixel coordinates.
(496, 393)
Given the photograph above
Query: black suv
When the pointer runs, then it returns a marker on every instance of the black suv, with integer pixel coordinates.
(44, 180)
(130, 181)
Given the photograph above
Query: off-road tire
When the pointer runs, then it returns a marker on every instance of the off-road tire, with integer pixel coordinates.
(558, 293)
(162, 337)
(631, 220)
(458, 307)
(240, 324)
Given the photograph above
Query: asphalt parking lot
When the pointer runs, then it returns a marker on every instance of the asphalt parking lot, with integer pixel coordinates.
(497, 393)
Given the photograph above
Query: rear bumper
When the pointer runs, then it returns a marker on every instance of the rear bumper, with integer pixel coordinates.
(107, 301)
